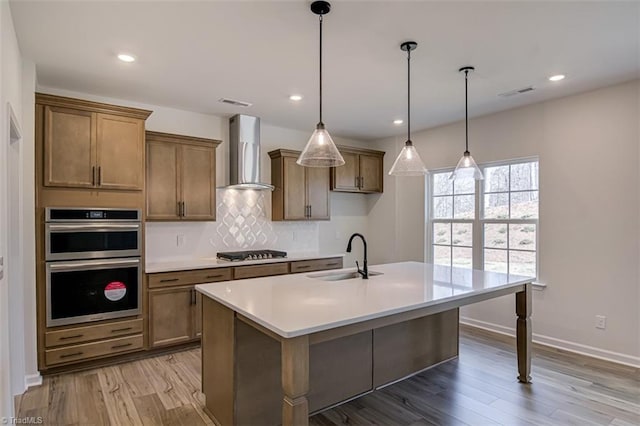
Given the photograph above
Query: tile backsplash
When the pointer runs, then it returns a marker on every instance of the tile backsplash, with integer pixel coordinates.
(242, 223)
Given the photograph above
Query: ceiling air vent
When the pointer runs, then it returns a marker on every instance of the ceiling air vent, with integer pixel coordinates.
(517, 91)
(234, 102)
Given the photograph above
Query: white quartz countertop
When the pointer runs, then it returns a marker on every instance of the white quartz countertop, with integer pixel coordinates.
(299, 304)
(212, 262)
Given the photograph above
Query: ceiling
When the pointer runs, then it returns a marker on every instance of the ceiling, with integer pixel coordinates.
(190, 54)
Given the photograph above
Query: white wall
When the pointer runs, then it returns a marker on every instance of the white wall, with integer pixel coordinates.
(348, 211)
(588, 145)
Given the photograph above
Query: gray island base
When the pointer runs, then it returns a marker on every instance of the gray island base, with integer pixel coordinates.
(278, 349)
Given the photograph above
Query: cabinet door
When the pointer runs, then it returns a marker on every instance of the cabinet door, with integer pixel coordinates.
(318, 192)
(162, 181)
(69, 147)
(370, 173)
(345, 176)
(120, 152)
(197, 315)
(170, 316)
(198, 175)
(294, 190)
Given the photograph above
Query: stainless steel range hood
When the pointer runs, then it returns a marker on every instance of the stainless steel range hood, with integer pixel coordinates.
(244, 153)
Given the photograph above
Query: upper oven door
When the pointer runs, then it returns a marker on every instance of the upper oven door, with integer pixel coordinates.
(66, 241)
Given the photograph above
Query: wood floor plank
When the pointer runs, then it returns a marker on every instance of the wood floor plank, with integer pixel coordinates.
(478, 388)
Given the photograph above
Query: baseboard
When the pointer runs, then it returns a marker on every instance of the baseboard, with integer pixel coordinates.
(590, 351)
(32, 380)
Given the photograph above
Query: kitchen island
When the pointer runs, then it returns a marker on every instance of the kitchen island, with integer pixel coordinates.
(277, 349)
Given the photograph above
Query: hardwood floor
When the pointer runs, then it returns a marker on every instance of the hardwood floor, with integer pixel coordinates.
(479, 388)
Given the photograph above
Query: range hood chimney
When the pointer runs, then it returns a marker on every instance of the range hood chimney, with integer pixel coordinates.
(244, 153)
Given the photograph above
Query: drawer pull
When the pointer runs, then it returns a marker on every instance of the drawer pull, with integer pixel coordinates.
(75, 336)
(169, 280)
(70, 355)
(124, 345)
(215, 276)
(118, 330)
(333, 264)
(303, 266)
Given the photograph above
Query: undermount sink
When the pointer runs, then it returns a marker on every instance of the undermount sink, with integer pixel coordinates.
(339, 276)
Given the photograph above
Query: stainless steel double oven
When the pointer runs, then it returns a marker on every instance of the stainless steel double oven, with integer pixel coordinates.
(93, 264)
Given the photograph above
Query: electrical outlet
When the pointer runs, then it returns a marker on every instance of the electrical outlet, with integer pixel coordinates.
(180, 240)
(601, 322)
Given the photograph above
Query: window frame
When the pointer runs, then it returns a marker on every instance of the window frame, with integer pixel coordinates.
(478, 221)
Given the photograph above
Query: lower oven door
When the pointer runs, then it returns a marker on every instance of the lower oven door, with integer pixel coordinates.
(84, 291)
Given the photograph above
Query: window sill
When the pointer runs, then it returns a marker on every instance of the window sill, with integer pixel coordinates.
(538, 286)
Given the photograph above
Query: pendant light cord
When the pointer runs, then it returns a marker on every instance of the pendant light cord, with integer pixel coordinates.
(409, 95)
(321, 69)
(466, 111)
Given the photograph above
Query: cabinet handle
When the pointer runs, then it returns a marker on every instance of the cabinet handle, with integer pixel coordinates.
(70, 355)
(118, 330)
(215, 276)
(357, 182)
(75, 336)
(309, 210)
(93, 175)
(193, 296)
(303, 267)
(333, 264)
(184, 209)
(99, 176)
(361, 182)
(124, 345)
(169, 280)
(179, 206)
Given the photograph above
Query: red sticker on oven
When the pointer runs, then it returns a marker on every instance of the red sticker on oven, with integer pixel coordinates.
(115, 291)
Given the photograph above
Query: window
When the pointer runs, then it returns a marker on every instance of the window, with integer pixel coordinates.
(499, 214)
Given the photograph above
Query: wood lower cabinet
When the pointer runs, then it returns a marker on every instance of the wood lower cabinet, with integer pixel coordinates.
(362, 172)
(181, 178)
(301, 193)
(171, 316)
(91, 145)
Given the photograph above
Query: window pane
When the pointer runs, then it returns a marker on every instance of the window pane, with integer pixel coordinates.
(524, 205)
(442, 255)
(495, 235)
(522, 263)
(462, 234)
(524, 176)
(464, 186)
(495, 260)
(464, 206)
(442, 185)
(442, 233)
(496, 206)
(462, 257)
(442, 207)
(522, 237)
(496, 179)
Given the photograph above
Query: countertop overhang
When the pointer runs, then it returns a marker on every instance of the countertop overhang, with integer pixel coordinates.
(299, 304)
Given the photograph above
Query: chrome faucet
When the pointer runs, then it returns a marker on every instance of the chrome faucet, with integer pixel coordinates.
(365, 271)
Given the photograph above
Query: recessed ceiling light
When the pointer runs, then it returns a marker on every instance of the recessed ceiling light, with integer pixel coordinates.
(295, 97)
(398, 122)
(556, 77)
(124, 57)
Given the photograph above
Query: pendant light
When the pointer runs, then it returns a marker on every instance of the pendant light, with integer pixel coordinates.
(408, 162)
(467, 167)
(320, 150)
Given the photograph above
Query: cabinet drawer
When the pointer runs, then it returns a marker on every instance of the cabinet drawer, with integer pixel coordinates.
(316, 265)
(197, 276)
(92, 332)
(85, 351)
(255, 271)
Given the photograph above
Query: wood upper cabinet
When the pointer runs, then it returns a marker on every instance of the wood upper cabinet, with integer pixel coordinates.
(91, 145)
(301, 193)
(362, 172)
(181, 177)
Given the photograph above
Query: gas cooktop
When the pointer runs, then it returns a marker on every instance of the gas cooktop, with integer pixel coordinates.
(251, 255)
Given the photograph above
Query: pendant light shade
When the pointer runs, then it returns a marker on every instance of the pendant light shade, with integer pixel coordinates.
(320, 150)
(467, 167)
(408, 162)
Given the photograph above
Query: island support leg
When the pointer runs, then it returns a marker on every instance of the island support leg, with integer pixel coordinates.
(523, 334)
(295, 381)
